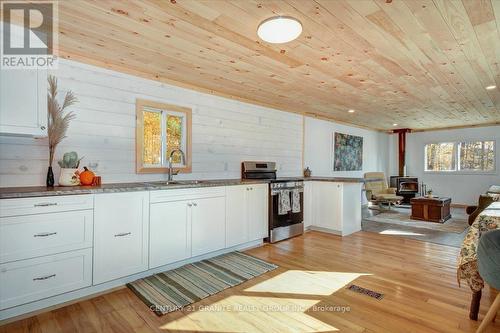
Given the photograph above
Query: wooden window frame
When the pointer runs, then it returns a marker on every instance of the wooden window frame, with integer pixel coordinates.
(139, 136)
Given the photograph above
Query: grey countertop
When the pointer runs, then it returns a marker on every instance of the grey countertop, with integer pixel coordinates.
(41, 191)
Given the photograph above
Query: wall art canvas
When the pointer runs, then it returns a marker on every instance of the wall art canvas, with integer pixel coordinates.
(348, 152)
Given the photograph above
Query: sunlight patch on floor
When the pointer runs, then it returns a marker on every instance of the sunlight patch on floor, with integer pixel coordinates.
(399, 232)
(252, 314)
(306, 282)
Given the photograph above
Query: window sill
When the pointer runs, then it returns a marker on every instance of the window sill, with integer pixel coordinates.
(463, 173)
(186, 169)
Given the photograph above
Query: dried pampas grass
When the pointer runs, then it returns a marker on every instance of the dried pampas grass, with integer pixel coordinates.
(58, 122)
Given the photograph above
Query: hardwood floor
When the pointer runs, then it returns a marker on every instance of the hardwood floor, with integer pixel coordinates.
(417, 279)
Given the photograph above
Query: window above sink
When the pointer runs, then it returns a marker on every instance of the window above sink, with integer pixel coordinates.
(160, 129)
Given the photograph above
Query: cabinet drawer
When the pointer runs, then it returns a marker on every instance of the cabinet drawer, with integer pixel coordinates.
(40, 205)
(23, 237)
(33, 279)
(187, 194)
(121, 235)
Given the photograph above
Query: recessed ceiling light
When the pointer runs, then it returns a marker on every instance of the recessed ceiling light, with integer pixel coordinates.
(351, 111)
(279, 29)
(394, 124)
(490, 87)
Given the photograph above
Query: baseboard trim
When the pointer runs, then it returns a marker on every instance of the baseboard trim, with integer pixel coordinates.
(458, 205)
(51, 303)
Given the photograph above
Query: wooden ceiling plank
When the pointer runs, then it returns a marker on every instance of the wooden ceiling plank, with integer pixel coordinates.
(458, 21)
(434, 22)
(216, 29)
(437, 65)
(381, 59)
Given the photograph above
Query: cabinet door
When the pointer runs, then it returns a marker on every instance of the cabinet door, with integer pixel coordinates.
(170, 232)
(258, 216)
(120, 235)
(236, 215)
(23, 102)
(308, 204)
(327, 205)
(208, 224)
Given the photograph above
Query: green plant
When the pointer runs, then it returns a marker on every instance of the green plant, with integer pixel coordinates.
(58, 122)
(70, 160)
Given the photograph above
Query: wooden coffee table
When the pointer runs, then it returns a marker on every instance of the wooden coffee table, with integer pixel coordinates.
(436, 209)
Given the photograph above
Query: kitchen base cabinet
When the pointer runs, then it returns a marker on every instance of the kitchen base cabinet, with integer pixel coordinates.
(246, 213)
(258, 212)
(28, 280)
(236, 215)
(170, 232)
(121, 233)
(208, 223)
(333, 207)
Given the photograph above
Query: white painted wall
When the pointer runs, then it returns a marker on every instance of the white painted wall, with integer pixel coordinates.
(462, 188)
(225, 132)
(318, 148)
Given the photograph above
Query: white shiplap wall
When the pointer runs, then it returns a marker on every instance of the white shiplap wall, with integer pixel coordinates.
(225, 131)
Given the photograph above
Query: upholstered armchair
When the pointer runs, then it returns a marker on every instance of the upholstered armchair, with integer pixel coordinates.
(484, 201)
(377, 190)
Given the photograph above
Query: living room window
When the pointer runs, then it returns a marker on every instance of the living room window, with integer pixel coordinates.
(160, 129)
(466, 156)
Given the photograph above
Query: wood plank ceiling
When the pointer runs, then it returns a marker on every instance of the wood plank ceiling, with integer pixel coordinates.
(418, 63)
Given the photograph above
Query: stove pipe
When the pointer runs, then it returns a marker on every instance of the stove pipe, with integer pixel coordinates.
(402, 150)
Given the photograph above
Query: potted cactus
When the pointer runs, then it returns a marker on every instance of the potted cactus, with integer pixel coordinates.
(69, 169)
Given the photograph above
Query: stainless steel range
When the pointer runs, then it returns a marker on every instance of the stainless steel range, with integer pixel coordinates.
(286, 200)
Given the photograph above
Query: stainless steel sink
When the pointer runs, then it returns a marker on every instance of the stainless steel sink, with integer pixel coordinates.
(176, 182)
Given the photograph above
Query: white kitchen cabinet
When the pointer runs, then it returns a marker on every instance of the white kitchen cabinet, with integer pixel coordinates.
(333, 207)
(258, 202)
(29, 236)
(29, 280)
(186, 223)
(170, 232)
(121, 233)
(246, 213)
(23, 97)
(236, 215)
(308, 204)
(23, 102)
(327, 205)
(208, 223)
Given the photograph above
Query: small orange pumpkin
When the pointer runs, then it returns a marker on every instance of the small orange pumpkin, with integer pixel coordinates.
(86, 177)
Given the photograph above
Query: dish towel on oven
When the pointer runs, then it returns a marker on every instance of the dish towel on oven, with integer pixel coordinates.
(283, 202)
(295, 201)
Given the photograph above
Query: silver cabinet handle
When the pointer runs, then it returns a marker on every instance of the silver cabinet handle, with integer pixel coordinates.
(190, 204)
(45, 234)
(45, 204)
(44, 277)
(123, 234)
(195, 204)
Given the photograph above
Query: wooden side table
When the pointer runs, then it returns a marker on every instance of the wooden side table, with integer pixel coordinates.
(436, 209)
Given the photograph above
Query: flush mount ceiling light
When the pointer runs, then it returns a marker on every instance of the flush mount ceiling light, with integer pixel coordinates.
(490, 87)
(351, 111)
(394, 124)
(279, 29)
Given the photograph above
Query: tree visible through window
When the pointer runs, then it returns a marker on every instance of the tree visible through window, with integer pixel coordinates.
(162, 128)
(440, 156)
(460, 156)
(479, 155)
(174, 136)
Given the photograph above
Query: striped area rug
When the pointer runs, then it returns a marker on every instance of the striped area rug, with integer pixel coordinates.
(169, 291)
